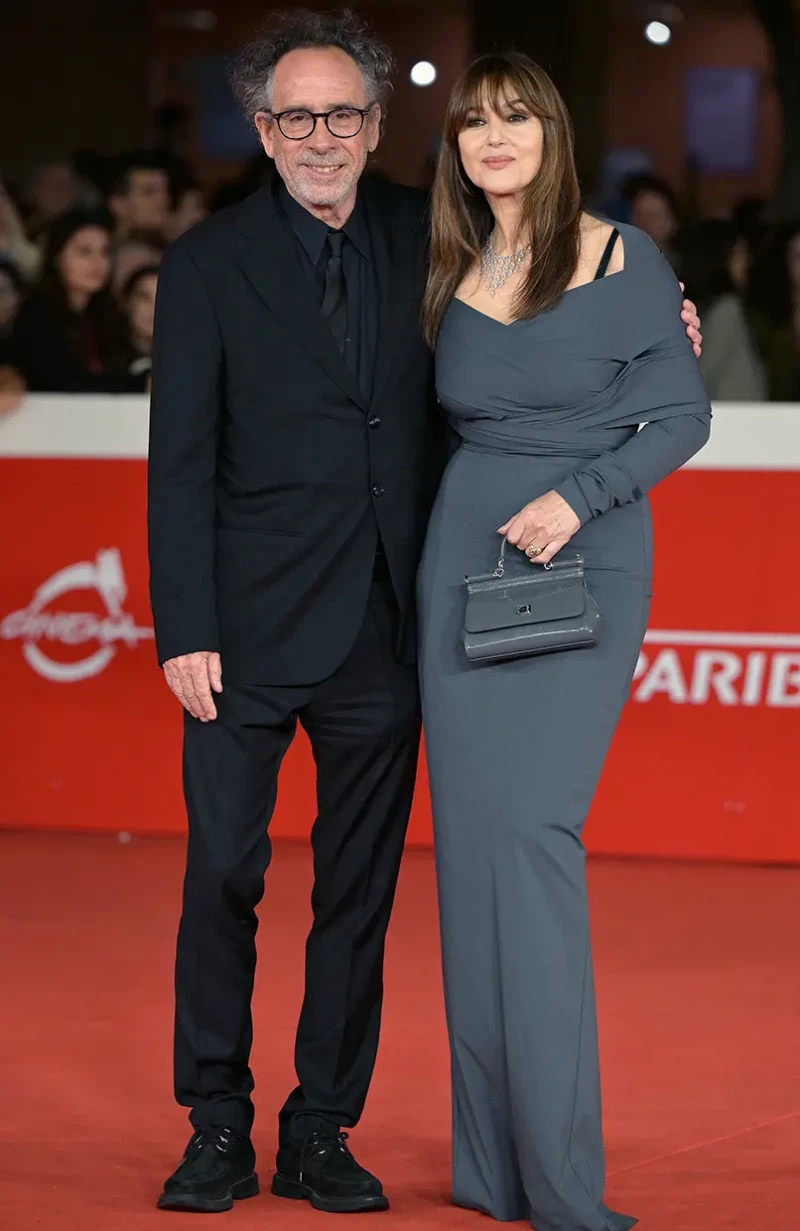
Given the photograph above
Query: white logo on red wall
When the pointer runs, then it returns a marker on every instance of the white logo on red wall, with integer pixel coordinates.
(731, 669)
(44, 625)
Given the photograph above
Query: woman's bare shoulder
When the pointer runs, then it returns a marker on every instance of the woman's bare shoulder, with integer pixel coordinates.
(595, 235)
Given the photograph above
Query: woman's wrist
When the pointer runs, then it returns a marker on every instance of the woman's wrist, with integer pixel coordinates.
(570, 491)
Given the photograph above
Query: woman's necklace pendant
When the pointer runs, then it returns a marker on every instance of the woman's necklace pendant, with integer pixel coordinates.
(496, 270)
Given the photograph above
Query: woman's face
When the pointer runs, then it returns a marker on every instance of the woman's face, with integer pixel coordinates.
(9, 301)
(501, 152)
(793, 261)
(142, 306)
(84, 262)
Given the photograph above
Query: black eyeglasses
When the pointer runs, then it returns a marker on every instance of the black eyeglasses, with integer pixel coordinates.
(340, 122)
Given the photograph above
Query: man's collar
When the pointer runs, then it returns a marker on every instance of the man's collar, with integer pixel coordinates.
(312, 231)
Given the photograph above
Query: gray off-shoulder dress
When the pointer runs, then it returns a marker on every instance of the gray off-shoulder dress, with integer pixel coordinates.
(515, 749)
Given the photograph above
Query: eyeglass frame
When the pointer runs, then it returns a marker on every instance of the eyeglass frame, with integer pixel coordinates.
(277, 116)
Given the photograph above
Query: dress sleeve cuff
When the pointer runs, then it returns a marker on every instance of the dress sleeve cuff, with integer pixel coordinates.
(570, 491)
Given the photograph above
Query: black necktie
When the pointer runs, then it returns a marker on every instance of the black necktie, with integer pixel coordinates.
(334, 300)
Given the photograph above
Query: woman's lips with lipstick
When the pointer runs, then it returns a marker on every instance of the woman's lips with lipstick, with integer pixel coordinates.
(500, 161)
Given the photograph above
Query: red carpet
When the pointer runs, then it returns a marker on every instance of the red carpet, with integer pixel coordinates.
(699, 985)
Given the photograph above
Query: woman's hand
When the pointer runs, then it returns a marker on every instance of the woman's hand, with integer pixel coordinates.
(542, 527)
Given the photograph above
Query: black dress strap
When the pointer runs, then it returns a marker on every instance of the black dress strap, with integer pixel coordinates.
(606, 257)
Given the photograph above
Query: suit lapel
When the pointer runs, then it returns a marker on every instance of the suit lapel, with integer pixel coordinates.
(396, 258)
(271, 264)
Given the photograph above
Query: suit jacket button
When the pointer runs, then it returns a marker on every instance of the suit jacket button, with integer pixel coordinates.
(377, 490)
(374, 422)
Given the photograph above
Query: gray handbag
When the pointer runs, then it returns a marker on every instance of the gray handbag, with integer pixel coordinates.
(546, 608)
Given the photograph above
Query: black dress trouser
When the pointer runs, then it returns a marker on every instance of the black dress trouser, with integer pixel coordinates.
(363, 724)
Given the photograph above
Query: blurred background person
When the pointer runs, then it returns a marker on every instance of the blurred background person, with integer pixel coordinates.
(15, 247)
(653, 207)
(69, 335)
(188, 207)
(54, 189)
(751, 222)
(139, 305)
(774, 309)
(713, 260)
(140, 250)
(11, 289)
(752, 217)
(740, 260)
(139, 198)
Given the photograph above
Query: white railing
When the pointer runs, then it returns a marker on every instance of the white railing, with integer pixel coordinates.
(745, 436)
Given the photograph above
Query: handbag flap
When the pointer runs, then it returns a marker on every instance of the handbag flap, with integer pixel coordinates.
(513, 604)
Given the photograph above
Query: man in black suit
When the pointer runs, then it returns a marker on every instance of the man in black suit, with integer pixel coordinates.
(295, 452)
(294, 455)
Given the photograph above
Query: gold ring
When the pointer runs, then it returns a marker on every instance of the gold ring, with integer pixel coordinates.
(532, 550)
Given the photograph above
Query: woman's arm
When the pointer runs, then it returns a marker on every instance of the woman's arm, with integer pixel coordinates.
(630, 471)
(663, 390)
(546, 524)
(665, 393)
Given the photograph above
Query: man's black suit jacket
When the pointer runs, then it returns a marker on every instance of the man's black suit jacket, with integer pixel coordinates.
(270, 473)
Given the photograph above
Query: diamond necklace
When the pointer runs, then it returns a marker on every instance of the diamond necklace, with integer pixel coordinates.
(496, 270)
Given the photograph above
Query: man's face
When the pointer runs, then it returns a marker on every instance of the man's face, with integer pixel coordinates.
(320, 170)
(145, 206)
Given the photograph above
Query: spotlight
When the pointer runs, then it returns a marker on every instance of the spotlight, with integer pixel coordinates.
(657, 32)
(423, 73)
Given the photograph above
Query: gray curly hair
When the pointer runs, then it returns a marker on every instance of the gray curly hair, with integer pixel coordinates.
(253, 69)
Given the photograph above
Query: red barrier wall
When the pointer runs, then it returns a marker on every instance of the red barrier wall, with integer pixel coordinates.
(703, 765)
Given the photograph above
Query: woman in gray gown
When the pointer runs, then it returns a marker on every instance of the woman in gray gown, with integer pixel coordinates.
(548, 360)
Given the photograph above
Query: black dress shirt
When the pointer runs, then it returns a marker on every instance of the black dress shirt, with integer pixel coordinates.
(360, 279)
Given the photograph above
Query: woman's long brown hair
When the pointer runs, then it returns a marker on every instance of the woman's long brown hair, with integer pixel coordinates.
(462, 220)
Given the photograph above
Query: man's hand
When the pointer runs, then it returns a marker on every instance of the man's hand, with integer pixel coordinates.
(692, 322)
(193, 678)
(12, 390)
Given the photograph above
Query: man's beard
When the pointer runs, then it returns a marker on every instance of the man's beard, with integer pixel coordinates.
(315, 191)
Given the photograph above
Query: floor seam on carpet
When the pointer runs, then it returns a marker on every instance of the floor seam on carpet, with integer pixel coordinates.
(703, 1145)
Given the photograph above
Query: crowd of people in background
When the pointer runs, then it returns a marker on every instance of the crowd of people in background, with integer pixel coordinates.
(81, 243)
(79, 261)
(743, 272)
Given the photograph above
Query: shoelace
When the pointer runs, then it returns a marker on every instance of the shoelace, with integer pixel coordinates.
(220, 1138)
(320, 1144)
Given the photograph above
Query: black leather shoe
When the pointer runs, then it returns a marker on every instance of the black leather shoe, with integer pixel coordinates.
(217, 1169)
(322, 1170)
